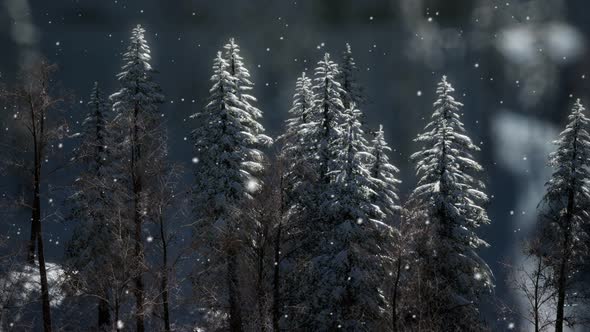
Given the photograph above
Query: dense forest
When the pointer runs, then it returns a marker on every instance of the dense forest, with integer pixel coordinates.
(305, 231)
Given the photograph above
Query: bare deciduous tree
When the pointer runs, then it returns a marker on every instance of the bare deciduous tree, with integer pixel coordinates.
(34, 99)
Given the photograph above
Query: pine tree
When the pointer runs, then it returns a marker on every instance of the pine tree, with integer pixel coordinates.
(136, 104)
(295, 173)
(384, 185)
(325, 128)
(353, 91)
(301, 116)
(383, 177)
(450, 198)
(567, 205)
(93, 150)
(308, 181)
(298, 147)
(227, 143)
(348, 269)
(90, 254)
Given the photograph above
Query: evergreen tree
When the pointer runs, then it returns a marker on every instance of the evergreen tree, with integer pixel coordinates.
(93, 150)
(88, 252)
(450, 199)
(227, 142)
(136, 104)
(348, 269)
(325, 129)
(567, 205)
(348, 79)
(301, 115)
(298, 147)
(383, 177)
(384, 185)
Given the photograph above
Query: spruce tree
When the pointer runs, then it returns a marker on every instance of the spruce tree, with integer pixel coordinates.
(384, 185)
(90, 254)
(325, 129)
(348, 269)
(383, 177)
(298, 147)
(136, 104)
(227, 142)
(566, 207)
(348, 79)
(451, 201)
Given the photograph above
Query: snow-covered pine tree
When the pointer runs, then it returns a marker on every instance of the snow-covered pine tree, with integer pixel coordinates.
(297, 148)
(451, 199)
(566, 207)
(89, 254)
(383, 177)
(136, 104)
(227, 141)
(325, 128)
(320, 136)
(93, 150)
(348, 80)
(384, 185)
(296, 174)
(348, 269)
(301, 115)
(242, 85)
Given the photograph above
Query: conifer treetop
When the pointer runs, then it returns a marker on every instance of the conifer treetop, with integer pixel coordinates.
(451, 195)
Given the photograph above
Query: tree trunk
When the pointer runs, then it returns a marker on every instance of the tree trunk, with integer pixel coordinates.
(104, 315)
(36, 213)
(117, 309)
(164, 284)
(139, 292)
(394, 295)
(44, 285)
(165, 303)
(32, 246)
(537, 294)
(137, 219)
(276, 282)
(235, 311)
(260, 287)
(561, 286)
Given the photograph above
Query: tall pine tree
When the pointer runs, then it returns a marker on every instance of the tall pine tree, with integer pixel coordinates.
(136, 104)
(566, 207)
(450, 199)
(297, 146)
(325, 128)
(383, 177)
(89, 253)
(348, 79)
(348, 269)
(227, 142)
